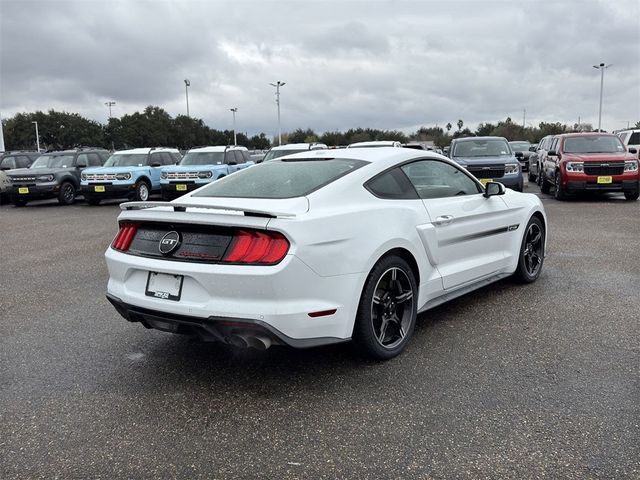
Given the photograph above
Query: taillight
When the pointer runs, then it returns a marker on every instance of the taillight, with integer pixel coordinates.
(124, 237)
(256, 248)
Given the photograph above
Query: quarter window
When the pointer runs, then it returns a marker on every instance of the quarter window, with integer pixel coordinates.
(436, 179)
(393, 185)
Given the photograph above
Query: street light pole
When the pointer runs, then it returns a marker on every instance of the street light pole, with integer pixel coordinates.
(187, 84)
(234, 110)
(110, 104)
(278, 84)
(37, 136)
(602, 68)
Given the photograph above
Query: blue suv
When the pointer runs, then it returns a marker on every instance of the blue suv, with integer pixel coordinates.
(201, 166)
(132, 174)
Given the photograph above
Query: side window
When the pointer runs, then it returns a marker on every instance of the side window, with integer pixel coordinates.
(635, 139)
(155, 158)
(229, 157)
(9, 163)
(82, 159)
(23, 161)
(392, 185)
(94, 160)
(436, 179)
(623, 136)
(246, 156)
(176, 157)
(554, 144)
(239, 158)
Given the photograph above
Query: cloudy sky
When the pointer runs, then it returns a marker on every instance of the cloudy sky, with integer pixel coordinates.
(384, 64)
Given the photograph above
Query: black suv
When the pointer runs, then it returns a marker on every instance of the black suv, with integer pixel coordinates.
(54, 175)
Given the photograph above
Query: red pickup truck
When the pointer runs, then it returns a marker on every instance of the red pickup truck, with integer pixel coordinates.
(590, 162)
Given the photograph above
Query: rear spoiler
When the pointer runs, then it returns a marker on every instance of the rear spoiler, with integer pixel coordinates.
(182, 207)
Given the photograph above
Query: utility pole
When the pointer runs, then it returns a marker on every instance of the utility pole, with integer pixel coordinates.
(524, 116)
(37, 136)
(187, 84)
(602, 68)
(234, 110)
(278, 84)
(110, 104)
(1, 135)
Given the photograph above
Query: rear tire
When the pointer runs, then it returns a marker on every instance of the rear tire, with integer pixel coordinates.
(531, 256)
(67, 194)
(545, 186)
(387, 311)
(531, 176)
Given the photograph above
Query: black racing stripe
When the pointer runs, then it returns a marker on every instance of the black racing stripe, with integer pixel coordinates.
(474, 236)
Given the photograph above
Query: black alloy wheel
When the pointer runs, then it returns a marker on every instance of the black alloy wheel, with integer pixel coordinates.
(560, 193)
(532, 249)
(67, 193)
(388, 308)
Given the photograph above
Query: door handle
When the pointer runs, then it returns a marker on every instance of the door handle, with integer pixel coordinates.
(443, 220)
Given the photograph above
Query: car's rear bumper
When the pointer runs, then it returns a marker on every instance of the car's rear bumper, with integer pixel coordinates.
(575, 186)
(281, 297)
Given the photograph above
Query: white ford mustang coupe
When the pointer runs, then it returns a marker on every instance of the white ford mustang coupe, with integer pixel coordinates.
(321, 247)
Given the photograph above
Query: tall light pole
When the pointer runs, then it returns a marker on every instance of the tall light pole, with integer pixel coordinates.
(234, 110)
(1, 135)
(110, 104)
(602, 68)
(278, 84)
(187, 84)
(37, 136)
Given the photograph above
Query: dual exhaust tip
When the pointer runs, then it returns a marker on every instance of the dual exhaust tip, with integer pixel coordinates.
(259, 342)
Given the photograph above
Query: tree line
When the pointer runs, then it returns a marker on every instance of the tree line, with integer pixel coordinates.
(155, 127)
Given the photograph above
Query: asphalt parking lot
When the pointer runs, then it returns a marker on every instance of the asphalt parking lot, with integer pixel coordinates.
(510, 381)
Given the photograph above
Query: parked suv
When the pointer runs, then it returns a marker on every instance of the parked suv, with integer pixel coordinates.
(489, 159)
(13, 160)
(594, 162)
(630, 138)
(291, 148)
(54, 175)
(522, 146)
(537, 156)
(132, 174)
(200, 166)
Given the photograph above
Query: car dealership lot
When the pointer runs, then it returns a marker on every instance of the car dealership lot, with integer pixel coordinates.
(509, 381)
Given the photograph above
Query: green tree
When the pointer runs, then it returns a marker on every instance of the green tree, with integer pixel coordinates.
(449, 127)
(485, 129)
(460, 124)
(300, 136)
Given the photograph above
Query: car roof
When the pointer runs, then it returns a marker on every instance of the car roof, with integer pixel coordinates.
(488, 137)
(586, 134)
(374, 143)
(148, 150)
(299, 146)
(218, 148)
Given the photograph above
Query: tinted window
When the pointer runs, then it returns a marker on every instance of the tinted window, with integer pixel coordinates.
(167, 158)
(155, 158)
(203, 158)
(8, 163)
(239, 157)
(635, 139)
(481, 148)
(593, 144)
(23, 161)
(435, 179)
(54, 161)
(393, 185)
(94, 160)
(280, 179)
(176, 157)
(82, 159)
(127, 160)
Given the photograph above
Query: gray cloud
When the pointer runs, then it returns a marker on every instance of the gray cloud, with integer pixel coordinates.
(346, 64)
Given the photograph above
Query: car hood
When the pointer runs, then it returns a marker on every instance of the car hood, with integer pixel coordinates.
(598, 157)
(36, 172)
(500, 160)
(192, 168)
(113, 169)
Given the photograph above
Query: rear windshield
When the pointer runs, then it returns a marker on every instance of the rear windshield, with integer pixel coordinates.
(203, 158)
(127, 160)
(273, 154)
(53, 161)
(593, 144)
(281, 178)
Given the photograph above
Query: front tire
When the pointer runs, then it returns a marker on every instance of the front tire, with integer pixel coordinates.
(560, 193)
(387, 311)
(531, 257)
(67, 194)
(142, 191)
(632, 195)
(545, 186)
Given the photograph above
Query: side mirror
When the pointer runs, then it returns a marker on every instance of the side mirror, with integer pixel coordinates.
(519, 155)
(156, 164)
(632, 150)
(233, 163)
(552, 153)
(81, 165)
(494, 188)
(532, 149)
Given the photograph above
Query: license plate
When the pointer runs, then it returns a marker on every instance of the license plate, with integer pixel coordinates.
(605, 179)
(98, 188)
(484, 181)
(181, 187)
(161, 285)
(23, 189)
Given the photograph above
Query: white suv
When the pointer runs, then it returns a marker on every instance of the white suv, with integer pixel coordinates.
(291, 148)
(631, 139)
